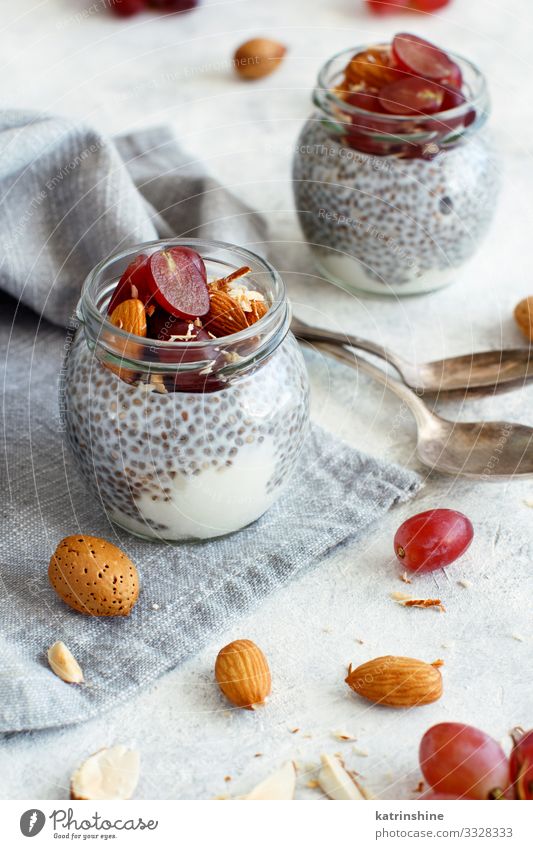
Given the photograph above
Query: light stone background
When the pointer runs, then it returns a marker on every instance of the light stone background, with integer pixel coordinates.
(151, 69)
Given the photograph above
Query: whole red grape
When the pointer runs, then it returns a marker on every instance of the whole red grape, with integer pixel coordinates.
(521, 763)
(126, 8)
(461, 760)
(432, 539)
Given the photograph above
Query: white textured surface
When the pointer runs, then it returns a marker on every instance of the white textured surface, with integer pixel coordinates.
(151, 69)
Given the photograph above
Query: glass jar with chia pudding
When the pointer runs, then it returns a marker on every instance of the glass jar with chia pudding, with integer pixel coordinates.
(395, 175)
(184, 394)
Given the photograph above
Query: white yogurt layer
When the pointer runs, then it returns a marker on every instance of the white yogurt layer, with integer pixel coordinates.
(350, 274)
(217, 501)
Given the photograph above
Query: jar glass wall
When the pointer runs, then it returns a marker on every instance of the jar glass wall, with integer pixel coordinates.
(185, 440)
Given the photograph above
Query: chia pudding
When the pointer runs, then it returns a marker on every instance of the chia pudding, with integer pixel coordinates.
(395, 203)
(186, 438)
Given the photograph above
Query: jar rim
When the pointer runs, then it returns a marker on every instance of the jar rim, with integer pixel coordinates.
(88, 310)
(324, 96)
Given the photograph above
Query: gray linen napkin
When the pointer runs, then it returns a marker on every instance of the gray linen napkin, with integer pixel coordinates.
(188, 591)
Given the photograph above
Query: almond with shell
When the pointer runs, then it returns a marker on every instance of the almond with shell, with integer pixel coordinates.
(243, 674)
(397, 681)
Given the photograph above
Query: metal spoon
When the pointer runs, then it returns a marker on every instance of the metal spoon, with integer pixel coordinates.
(483, 450)
(484, 369)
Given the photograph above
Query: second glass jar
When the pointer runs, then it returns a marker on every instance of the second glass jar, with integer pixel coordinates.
(394, 205)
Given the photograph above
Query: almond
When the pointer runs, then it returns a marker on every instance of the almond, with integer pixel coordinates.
(396, 681)
(258, 57)
(64, 664)
(108, 774)
(129, 316)
(225, 315)
(257, 310)
(524, 317)
(242, 673)
(279, 786)
(93, 576)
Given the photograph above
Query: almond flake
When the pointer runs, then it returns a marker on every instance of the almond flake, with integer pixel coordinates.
(337, 783)
(64, 664)
(396, 596)
(518, 637)
(279, 786)
(405, 579)
(528, 501)
(362, 753)
(109, 774)
(464, 583)
(340, 735)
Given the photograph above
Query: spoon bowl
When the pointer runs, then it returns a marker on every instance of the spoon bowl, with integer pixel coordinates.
(480, 370)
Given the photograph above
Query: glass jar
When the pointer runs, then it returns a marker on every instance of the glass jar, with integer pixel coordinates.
(185, 440)
(394, 204)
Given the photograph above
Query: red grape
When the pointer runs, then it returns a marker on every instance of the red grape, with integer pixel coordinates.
(126, 8)
(433, 797)
(522, 766)
(418, 56)
(432, 539)
(135, 275)
(387, 7)
(180, 285)
(460, 760)
(412, 96)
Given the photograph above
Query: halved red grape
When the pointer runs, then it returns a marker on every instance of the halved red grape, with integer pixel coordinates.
(136, 276)
(180, 284)
(418, 56)
(412, 96)
(432, 539)
(521, 763)
(463, 761)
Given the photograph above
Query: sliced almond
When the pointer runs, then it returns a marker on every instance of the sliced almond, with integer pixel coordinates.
(337, 782)
(280, 785)
(64, 664)
(108, 774)
(258, 309)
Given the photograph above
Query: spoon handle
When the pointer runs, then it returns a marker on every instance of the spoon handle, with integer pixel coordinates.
(305, 332)
(421, 413)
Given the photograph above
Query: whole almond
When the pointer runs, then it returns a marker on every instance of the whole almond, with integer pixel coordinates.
(258, 310)
(258, 57)
(129, 316)
(242, 673)
(397, 681)
(524, 317)
(94, 576)
(225, 316)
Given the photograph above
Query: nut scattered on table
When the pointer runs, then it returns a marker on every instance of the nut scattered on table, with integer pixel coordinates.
(243, 674)
(258, 58)
(338, 783)
(279, 786)
(524, 317)
(63, 664)
(108, 774)
(397, 681)
(93, 576)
